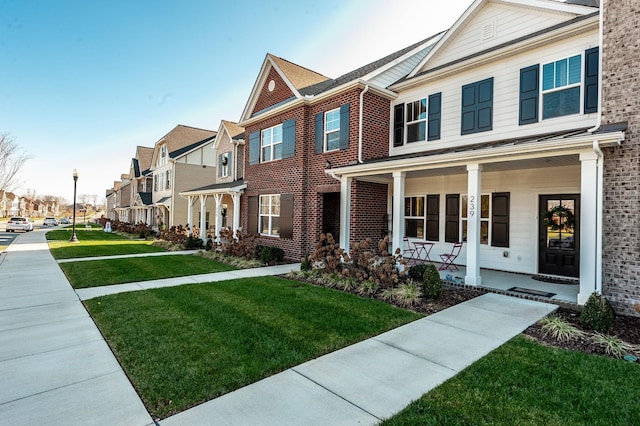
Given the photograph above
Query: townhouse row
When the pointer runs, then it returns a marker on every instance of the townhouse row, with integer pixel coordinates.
(514, 132)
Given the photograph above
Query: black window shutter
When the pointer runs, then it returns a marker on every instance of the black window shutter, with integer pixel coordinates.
(529, 94)
(220, 166)
(452, 218)
(319, 145)
(254, 148)
(485, 105)
(289, 138)
(477, 107)
(252, 226)
(500, 219)
(433, 218)
(286, 216)
(591, 70)
(344, 126)
(229, 162)
(435, 108)
(398, 125)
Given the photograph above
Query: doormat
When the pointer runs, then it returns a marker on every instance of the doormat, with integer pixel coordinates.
(532, 292)
(555, 280)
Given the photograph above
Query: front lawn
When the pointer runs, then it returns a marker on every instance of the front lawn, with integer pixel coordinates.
(94, 273)
(95, 243)
(525, 383)
(181, 346)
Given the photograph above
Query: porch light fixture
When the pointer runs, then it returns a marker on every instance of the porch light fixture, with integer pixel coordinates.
(73, 238)
(327, 164)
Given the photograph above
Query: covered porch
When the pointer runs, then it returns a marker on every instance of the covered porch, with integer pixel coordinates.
(226, 197)
(520, 207)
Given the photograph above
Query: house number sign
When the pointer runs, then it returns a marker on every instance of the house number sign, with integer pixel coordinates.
(472, 205)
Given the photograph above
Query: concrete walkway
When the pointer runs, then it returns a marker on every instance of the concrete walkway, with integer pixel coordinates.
(55, 366)
(57, 369)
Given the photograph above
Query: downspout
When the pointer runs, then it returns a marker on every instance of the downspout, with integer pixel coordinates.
(600, 161)
(366, 88)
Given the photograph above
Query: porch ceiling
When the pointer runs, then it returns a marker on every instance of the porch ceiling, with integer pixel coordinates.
(500, 166)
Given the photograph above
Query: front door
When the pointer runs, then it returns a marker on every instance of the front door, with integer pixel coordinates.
(559, 248)
(331, 214)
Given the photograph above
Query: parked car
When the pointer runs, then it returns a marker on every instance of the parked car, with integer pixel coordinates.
(19, 224)
(64, 221)
(49, 221)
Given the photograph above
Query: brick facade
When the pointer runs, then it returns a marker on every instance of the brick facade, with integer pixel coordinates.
(304, 175)
(621, 222)
(280, 92)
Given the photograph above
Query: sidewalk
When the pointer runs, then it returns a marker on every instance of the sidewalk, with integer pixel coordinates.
(57, 368)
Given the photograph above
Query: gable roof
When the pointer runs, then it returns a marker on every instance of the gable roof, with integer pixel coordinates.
(185, 149)
(144, 155)
(297, 75)
(234, 129)
(323, 85)
(181, 136)
(572, 8)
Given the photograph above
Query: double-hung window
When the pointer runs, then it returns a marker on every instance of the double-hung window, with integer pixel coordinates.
(168, 183)
(414, 217)
(561, 87)
(271, 143)
(269, 215)
(417, 121)
(494, 218)
(332, 130)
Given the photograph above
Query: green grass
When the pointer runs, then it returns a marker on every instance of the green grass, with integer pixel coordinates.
(94, 273)
(181, 346)
(525, 383)
(95, 243)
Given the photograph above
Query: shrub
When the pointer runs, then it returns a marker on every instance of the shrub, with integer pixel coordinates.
(305, 265)
(408, 294)
(613, 345)
(431, 282)
(240, 245)
(597, 313)
(327, 255)
(268, 254)
(416, 272)
(559, 328)
(193, 242)
(209, 245)
(367, 288)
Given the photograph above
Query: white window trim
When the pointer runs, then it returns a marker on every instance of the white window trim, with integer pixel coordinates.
(224, 168)
(271, 144)
(270, 215)
(544, 92)
(327, 133)
(407, 122)
(423, 217)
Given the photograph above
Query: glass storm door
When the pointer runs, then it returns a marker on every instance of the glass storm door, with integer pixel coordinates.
(559, 248)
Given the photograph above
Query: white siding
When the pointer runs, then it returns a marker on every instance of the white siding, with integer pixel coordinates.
(506, 74)
(524, 187)
(400, 70)
(509, 22)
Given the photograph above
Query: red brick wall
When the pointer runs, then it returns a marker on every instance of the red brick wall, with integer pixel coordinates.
(280, 92)
(621, 219)
(369, 209)
(304, 174)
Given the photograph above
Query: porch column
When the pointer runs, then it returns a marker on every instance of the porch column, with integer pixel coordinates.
(474, 196)
(236, 212)
(345, 212)
(588, 221)
(203, 217)
(397, 211)
(190, 201)
(218, 199)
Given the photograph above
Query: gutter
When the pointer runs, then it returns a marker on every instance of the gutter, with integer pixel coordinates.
(366, 89)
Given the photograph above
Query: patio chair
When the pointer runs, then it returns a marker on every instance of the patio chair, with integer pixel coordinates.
(449, 258)
(409, 252)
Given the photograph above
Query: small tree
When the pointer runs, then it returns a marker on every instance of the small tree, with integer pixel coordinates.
(12, 160)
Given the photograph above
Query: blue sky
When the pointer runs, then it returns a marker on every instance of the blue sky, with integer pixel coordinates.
(82, 83)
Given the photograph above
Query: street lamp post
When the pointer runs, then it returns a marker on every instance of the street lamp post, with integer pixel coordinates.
(74, 239)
